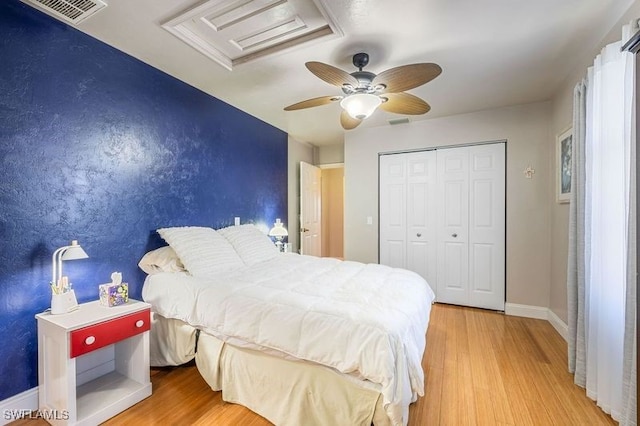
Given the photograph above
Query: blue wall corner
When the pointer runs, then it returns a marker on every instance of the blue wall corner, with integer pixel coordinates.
(100, 147)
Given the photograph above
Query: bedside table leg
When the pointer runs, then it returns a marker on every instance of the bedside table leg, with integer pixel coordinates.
(56, 377)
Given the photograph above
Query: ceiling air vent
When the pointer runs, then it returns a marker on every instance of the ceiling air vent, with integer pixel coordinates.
(395, 121)
(72, 11)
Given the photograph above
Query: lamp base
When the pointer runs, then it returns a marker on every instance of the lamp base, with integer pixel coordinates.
(63, 303)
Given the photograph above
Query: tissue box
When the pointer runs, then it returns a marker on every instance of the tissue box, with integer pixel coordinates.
(114, 294)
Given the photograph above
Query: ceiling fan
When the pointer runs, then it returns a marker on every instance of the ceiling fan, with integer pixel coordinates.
(365, 91)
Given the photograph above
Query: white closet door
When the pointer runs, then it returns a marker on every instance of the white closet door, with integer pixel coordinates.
(408, 213)
(453, 226)
(421, 215)
(487, 226)
(393, 210)
(442, 215)
(471, 226)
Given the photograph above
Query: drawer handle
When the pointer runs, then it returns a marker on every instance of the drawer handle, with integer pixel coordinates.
(139, 323)
(90, 340)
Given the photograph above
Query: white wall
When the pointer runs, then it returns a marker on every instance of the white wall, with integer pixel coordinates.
(562, 113)
(297, 152)
(526, 130)
(331, 154)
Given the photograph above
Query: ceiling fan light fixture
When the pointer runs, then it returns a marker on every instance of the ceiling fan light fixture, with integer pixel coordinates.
(360, 105)
(365, 91)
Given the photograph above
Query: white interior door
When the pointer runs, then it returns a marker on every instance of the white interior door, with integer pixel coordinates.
(408, 212)
(393, 210)
(442, 215)
(421, 215)
(310, 210)
(453, 228)
(487, 226)
(471, 226)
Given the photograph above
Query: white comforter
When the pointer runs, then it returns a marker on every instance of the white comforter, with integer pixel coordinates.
(366, 320)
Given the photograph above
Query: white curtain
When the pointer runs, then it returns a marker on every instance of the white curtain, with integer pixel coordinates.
(601, 219)
(578, 254)
(629, 371)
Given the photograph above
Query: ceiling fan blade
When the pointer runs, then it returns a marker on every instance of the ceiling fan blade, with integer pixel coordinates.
(323, 100)
(349, 122)
(404, 103)
(331, 75)
(406, 77)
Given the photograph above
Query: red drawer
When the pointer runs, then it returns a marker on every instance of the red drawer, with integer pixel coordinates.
(99, 335)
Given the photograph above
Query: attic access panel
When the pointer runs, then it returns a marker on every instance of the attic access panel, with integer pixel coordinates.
(235, 31)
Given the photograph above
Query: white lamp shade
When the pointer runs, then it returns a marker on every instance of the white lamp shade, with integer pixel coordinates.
(360, 105)
(70, 252)
(74, 251)
(278, 230)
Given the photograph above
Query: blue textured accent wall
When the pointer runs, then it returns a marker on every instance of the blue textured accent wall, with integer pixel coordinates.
(100, 147)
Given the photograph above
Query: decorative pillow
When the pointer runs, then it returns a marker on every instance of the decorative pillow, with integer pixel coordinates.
(159, 260)
(251, 244)
(202, 250)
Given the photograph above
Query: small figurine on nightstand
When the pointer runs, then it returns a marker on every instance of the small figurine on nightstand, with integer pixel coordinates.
(114, 293)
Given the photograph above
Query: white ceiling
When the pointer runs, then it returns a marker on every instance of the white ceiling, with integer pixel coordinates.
(493, 53)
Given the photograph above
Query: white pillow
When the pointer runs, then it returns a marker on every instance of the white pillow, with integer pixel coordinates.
(202, 250)
(159, 260)
(251, 244)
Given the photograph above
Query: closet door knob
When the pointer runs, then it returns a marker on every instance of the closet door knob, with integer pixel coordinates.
(454, 235)
(418, 235)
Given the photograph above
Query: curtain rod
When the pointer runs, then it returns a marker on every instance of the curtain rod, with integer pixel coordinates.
(633, 45)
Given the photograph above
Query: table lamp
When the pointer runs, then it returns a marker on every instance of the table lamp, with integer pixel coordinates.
(63, 298)
(279, 232)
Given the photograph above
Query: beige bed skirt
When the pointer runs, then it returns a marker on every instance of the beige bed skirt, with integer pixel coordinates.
(286, 392)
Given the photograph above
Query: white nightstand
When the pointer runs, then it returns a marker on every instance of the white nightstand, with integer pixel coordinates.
(93, 362)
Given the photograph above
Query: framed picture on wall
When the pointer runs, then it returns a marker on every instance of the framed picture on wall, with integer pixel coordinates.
(563, 166)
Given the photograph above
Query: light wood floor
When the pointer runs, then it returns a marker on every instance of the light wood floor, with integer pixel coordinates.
(481, 367)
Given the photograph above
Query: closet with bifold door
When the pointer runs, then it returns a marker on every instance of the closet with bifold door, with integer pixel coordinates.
(442, 215)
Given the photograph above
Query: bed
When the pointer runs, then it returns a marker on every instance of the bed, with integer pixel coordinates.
(297, 339)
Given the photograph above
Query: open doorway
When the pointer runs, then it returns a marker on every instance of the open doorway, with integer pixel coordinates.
(333, 210)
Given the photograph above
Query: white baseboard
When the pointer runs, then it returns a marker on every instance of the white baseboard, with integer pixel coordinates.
(24, 403)
(526, 311)
(559, 325)
(537, 312)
